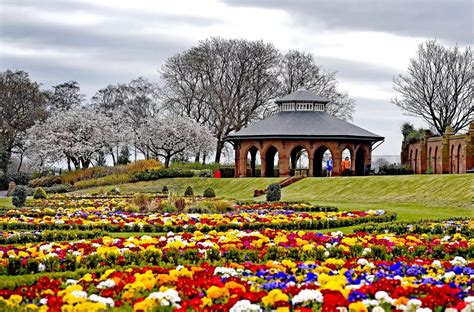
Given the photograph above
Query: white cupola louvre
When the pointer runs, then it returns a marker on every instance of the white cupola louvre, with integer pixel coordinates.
(302, 101)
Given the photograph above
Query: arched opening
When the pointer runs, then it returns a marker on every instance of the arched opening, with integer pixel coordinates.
(430, 160)
(320, 162)
(458, 160)
(299, 161)
(271, 162)
(435, 160)
(451, 160)
(253, 162)
(360, 162)
(346, 162)
(415, 168)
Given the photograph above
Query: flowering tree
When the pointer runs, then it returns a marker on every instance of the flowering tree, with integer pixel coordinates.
(167, 137)
(76, 134)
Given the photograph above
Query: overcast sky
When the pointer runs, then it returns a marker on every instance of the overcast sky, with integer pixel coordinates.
(106, 42)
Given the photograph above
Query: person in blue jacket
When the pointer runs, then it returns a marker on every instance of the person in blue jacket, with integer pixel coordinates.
(329, 164)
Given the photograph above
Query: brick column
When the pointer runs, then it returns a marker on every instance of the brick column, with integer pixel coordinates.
(284, 165)
(445, 159)
(263, 165)
(242, 164)
(470, 147)
(337, 159)
(236, 160)
(310, 165)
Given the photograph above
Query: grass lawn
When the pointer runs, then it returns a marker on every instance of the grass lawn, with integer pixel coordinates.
(239, 188)
(412, 197)
(6, 202)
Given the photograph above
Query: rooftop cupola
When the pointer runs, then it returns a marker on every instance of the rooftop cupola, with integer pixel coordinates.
(302, 100)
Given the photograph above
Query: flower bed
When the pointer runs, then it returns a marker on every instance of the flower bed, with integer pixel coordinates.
(294, 206)
(217, 247)
(108, 219)
(356, 284)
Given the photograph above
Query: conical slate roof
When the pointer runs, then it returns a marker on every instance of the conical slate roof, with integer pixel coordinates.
(302, 96)
(303, 125)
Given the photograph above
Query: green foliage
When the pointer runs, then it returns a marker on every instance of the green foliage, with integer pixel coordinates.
(46, 181)
(19, 196)
(410, 134)
(164, 190)
(141, 200)
(274, 192)
(189, 191)
(222, 205)
(209, 192)
(107, 180)
(114, 191)
(161, 174)
(180, 203)
(195, 166)
(394, 169)
(40, 193)
(124, 157)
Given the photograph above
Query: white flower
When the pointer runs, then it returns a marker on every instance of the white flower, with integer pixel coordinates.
(79, 294)
(108, 283)
(469, 299)
(306, 295)
(451, 310)
(414, 302)
(382, 296)
(225, 272)
(245, 306)
(46, 247)
(44, 301)
(370, 302)
(366, 251)
(423, 310)
(458, 261)
(41, 267)
(71, 281)
(104, 300)
(449, 275)
(378, 309)
(170, 296)
(436, 264)
(362, 262)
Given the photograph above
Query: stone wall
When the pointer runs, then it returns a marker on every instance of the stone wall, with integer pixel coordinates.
(450, 153)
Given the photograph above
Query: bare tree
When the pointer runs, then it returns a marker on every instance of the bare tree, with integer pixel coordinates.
(21, 104)
(221, 83)
(299, 70)
(438, 87)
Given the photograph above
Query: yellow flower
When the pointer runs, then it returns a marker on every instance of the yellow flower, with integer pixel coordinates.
(206, 302)
(283, 309)
(87, 277)
(15, 299)
(274, 296)
(215, 292)
(357, 307)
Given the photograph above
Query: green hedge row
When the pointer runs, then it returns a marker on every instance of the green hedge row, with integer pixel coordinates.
(149, 175)
(447, 227)
(50, 236)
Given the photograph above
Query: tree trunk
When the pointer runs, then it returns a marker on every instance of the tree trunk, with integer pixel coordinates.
(204, 156)
(113, 156)
(69, 164)
(196, 158)
(167, 161)
(21, 162)
(220, 146)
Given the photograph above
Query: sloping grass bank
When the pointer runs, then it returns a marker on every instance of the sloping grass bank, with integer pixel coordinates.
(238, 188)
(411, 197)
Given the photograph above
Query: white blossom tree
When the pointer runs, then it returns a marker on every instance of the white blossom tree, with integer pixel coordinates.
(167, 137)
(76, 134)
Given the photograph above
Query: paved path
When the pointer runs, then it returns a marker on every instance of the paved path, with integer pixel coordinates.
(3, 194)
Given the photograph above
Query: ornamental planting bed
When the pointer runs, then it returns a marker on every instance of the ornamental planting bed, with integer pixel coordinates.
(257, 257)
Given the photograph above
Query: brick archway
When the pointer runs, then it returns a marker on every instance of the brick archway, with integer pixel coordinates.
(269, 156)
(253, 151)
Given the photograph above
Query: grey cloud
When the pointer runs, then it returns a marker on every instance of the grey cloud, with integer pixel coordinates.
(447, 20)
(356, 71)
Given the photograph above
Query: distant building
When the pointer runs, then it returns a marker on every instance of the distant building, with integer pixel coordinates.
(450, 153)
(301, 124)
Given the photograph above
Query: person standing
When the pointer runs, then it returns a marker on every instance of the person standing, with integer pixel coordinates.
(346, 167)
(329, 165)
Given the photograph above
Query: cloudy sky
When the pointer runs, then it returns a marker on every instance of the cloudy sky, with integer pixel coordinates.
(106, 42)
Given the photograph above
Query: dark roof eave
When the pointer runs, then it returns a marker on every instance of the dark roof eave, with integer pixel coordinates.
(301, 101)
(315, 137)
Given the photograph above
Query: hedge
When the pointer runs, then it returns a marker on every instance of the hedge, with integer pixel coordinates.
(50, 236)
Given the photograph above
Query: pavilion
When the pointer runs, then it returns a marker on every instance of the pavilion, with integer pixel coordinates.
(301, 124)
